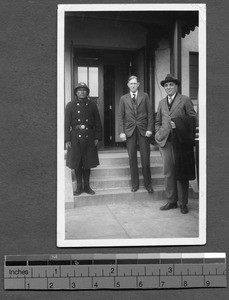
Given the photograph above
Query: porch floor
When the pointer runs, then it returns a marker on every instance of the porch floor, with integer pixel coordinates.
(131, 218)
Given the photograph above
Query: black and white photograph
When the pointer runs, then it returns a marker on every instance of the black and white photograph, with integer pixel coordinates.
(131, 125)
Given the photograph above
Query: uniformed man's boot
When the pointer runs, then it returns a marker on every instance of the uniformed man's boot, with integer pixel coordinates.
(79, 188)
(87, 188)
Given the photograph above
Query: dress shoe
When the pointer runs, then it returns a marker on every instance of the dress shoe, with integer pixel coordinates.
(78, 191)
(150, 190)
(134, 189)
(183, 209)
(168, 206)
(88, 190)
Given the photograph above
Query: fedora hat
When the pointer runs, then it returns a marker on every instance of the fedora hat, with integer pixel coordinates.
(170, 78)
(81, 85)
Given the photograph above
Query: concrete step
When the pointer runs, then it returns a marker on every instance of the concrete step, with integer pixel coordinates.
(121, 158)
(103, 171)
(118, 195)
(120, 181)
(111, 181)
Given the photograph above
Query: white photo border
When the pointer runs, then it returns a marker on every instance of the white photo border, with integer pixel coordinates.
(61, 241)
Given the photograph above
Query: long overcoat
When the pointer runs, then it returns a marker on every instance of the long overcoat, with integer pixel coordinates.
(82, 112)
(183, 142)
(184, 115)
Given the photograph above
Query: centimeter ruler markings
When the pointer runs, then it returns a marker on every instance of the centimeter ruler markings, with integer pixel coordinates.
(114, 271)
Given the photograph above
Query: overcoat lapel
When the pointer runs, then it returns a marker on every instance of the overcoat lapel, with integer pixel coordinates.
(176, 102)
(166, 105)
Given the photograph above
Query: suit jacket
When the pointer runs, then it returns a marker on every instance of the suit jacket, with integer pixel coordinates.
(128, 120)
(182, 106)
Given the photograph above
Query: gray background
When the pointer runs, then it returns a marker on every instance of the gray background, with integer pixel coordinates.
(28, 135)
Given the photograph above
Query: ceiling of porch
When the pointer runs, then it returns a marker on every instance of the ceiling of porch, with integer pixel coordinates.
(152, 20)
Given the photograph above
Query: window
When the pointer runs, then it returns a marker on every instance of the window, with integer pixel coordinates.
(89, 75)
(194, 74)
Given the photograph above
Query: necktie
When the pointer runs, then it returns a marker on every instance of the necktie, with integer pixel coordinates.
(134, 104)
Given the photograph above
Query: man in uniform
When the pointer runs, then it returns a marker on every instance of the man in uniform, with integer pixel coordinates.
(175, 133)
(83, 130)
(136, 126)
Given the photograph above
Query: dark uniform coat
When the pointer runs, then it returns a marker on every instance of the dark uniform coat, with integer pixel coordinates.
(82, 112)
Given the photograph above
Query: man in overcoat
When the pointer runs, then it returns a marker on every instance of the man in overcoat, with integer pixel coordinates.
(136, 126)
(175, 133)
(83, 130)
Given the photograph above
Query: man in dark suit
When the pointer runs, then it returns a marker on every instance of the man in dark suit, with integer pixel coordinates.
(175, 133)
(136, 126)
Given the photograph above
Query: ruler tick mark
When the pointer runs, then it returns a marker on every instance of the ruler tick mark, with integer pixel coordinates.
(130, 276)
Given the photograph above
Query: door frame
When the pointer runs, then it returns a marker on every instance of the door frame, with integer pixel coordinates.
(94, 59)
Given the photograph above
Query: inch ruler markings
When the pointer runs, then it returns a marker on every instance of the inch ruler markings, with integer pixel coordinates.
(115, 271)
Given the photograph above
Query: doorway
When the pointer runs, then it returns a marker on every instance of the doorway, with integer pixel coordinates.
(106, 73)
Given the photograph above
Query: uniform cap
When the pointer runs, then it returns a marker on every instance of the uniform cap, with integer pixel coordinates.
(81, 85)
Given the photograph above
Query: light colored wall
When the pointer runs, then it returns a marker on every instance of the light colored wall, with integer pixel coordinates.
(67, 76)
(162, 68)
(189, 43)
(162, 63)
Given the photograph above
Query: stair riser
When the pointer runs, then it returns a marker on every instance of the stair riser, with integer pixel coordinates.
(108, 199)
(120, 161)
(116, 198)
(95, 173)
(103, 184)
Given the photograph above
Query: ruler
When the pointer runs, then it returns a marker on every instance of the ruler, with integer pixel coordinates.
(115, 271)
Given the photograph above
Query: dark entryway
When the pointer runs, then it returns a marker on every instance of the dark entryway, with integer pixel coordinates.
(106, 73)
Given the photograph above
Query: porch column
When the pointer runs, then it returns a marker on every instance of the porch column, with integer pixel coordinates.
(151, 46)
(175, 57)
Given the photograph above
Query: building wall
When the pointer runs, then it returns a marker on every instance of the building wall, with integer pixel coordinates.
(162, 64)
(67, 77)
(189, 44)
(162, 68)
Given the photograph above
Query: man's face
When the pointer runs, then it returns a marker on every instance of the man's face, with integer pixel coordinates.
(133, 85)
(81, 93)
(170, 88)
